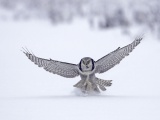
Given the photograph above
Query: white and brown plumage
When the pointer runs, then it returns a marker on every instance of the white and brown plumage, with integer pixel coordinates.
(87, 68)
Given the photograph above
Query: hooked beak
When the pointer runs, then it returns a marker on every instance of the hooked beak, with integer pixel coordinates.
(87, 66)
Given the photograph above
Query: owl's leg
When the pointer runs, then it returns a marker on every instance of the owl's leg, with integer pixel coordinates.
(95, 88)
(87, 86)
(91, 87)
(82, 86)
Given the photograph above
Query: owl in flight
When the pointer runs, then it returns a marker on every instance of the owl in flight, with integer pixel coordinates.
(87, 67)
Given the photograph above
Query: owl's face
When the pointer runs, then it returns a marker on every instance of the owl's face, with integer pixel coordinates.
(86, 64)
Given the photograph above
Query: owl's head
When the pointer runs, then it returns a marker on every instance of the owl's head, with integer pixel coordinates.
(86, 64)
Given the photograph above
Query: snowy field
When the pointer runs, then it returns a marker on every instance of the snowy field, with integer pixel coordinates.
(30, 93)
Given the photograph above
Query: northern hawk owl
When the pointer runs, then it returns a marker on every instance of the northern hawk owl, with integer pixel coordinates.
(87, 67)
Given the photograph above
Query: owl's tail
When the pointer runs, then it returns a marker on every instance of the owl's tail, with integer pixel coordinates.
(103, 83)
(93, 86)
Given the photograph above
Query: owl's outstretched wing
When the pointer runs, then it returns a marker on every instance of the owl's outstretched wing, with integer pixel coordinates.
(110, 60)
(67, 70)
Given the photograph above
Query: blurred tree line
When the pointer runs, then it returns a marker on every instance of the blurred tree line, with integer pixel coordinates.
(99, 13)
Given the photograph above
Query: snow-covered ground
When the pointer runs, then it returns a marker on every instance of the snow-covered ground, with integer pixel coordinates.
(30, 93)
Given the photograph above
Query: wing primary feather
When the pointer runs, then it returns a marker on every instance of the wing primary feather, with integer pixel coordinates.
(110, 60)
(64, 69)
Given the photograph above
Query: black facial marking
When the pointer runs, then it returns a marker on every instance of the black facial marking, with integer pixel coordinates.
(92, 64)
(80, 65)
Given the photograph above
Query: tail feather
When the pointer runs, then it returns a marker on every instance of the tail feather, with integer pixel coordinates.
(102, 88)
(96, 89)
(93, 86)
(101, 82)
(80, 84)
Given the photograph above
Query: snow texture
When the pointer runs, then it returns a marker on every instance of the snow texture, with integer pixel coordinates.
(30, 93)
